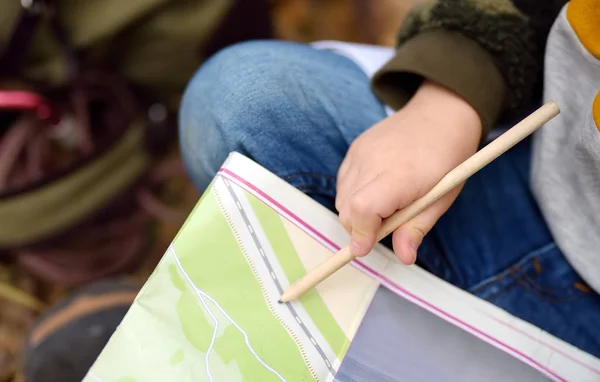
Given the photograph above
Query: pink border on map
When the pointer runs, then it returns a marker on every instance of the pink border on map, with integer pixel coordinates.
(293, 218)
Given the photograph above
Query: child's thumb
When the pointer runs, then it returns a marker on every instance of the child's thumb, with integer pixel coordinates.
(409, 236)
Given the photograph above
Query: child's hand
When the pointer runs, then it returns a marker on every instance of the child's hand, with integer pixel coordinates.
(399, 160)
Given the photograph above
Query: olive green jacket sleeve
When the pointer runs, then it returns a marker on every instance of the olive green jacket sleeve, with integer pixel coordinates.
(490, 52)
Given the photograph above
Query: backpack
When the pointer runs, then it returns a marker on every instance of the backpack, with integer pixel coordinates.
(88, 98)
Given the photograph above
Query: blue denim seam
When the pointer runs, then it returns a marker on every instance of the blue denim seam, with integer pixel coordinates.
(551, 299)
(518, 276)
(507, 272)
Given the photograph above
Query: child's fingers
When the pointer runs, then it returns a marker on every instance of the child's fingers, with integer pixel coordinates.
(344, 187)
(342, 181)
(346, 220)
(407, 239)
(376, 200)
(365, 224)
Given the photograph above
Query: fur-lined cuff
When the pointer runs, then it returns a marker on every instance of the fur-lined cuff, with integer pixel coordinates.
(448, 59)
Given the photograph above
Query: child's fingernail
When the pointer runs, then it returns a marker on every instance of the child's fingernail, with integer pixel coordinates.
(355, 248)
(414, 247)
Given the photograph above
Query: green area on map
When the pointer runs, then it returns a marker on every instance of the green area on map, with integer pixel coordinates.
(173, 331)
(294, 270)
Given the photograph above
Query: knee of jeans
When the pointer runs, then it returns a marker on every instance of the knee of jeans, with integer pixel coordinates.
(231, 103)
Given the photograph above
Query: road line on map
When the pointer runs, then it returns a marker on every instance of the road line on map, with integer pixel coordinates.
(258, 245)
(273, 308)
(200, 293)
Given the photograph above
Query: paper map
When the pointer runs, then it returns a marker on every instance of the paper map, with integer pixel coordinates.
(209, 311)
(220, 281)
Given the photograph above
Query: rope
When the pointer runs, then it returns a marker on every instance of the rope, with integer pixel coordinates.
(42, 141)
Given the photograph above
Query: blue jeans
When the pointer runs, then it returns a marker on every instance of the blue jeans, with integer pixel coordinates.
(295, 110)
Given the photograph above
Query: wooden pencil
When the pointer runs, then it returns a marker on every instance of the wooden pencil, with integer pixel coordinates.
(452, 179)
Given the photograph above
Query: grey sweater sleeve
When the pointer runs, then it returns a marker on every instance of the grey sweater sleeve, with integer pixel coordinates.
(566, 154)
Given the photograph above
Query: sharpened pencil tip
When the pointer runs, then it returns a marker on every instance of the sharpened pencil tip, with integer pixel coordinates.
(281, 302)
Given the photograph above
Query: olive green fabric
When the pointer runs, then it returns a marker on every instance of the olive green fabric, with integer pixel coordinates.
(8, 18)
(41, 212)
(449, 59)
(156, 44)
(188, 24)
(467, 45)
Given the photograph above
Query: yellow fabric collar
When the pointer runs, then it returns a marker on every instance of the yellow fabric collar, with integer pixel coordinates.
(584, 17)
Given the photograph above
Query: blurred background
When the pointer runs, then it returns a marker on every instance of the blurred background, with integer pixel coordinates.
(91, 185)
